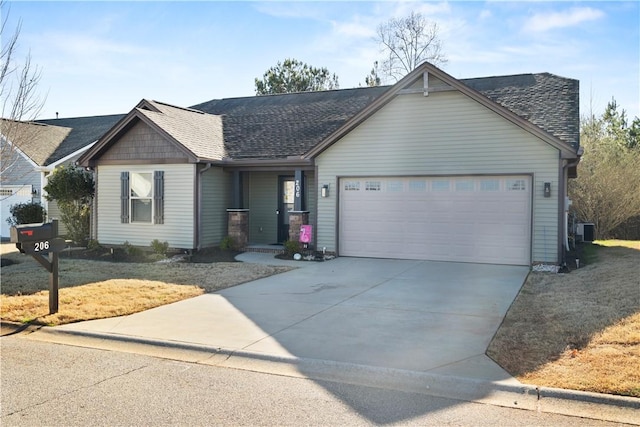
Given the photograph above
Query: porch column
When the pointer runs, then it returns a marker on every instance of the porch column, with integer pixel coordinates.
(298, 195)
(238, 227)
(236, 190)
(296, 219)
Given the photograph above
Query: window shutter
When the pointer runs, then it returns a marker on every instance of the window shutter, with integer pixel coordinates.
(124, 197)
(158, 197)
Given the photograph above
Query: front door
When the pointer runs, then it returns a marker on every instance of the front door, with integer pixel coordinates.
(286, 193)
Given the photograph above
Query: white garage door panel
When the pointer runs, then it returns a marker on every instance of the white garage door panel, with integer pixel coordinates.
(472, 219)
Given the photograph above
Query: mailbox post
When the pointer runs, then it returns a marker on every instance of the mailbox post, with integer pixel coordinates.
(39, 240)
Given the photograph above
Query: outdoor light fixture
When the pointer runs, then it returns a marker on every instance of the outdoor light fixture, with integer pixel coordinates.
(324, 192)
(547, 189)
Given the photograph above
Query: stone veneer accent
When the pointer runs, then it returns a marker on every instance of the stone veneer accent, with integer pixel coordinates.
(238, 227)
(296, 219)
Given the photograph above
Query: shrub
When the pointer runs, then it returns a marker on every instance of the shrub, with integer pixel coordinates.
(26, 213)
(291, 247)
(160, 248)
(132, 250)
(227, 243)
(93, 244)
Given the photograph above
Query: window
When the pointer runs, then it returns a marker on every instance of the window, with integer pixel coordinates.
(395, 186)
(516, 185)
(142, 197)
(441, 185)
(352, 186)
(373, 186)
(415, 185)
(466, 185)
(489, 185)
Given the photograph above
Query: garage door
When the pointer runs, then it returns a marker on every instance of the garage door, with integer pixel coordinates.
(469, 219)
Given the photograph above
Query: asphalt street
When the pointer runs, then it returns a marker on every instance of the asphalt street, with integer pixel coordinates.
(52, 384)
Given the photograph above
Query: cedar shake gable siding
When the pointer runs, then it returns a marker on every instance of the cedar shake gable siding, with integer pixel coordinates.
(195, 135)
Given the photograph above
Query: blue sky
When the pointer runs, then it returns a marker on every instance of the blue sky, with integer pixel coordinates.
(103, 57)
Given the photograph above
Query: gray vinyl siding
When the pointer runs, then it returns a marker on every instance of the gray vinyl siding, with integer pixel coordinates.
(263, 203)
(216, 186)
(445, 133)
(178, 227)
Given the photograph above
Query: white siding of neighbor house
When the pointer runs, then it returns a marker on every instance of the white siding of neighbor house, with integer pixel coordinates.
(179, 196)
(445, 133)
(216, 187)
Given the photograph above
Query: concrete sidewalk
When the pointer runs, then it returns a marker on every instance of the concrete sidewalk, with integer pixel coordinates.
(410, 325)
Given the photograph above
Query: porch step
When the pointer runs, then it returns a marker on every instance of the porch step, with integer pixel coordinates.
(265, 249)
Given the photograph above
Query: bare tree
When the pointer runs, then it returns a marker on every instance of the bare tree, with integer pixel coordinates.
(607, 190)
(21, 102)
(407, 42)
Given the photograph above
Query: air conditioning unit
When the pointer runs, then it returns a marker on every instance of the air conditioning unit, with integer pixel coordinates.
(585, 232)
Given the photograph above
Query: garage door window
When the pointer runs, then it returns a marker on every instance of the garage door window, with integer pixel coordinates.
(489, 185)
(415, 185)
(352, 186)
(395, 186)
(373, 186)
(464, 185)
(516, 185)
(440, 185)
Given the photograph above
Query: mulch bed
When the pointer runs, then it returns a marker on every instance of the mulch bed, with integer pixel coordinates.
(209, 255)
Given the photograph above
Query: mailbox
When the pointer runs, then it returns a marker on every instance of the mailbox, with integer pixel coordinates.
(31, 232)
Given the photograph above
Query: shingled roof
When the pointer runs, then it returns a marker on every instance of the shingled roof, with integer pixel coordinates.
(198, 132)
(550, 102)
(289, 125)
(37, 141)
(83, 131)
(281, 126)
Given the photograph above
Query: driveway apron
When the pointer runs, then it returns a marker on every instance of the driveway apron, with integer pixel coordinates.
(425, 316)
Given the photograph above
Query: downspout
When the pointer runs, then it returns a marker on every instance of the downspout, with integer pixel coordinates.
(199, 207)
(564, 199)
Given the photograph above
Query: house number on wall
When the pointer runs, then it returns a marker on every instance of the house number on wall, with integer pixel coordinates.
(297, 188)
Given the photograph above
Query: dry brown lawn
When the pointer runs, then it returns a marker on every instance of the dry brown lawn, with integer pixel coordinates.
(580, 330)
(98, 289)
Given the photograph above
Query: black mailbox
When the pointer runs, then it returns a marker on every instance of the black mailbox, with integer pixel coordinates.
(31, 232)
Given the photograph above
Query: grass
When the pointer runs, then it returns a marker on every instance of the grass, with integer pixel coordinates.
(99, 289)
(580, 330)
(95, 301)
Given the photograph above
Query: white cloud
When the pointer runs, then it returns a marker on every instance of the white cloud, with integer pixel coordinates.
(485, 14)
(541, 22)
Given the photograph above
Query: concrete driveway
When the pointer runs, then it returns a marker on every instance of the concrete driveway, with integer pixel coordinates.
(435, 317)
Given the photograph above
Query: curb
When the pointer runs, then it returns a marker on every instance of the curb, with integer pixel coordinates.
(523, 396)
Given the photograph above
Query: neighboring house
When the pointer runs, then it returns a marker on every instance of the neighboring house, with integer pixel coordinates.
(431, 168)
(40, 147)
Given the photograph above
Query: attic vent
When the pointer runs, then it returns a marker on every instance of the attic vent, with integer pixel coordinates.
(144, 107)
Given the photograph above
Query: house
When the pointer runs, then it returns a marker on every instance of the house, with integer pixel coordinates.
(433, 167)
(32, 150)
